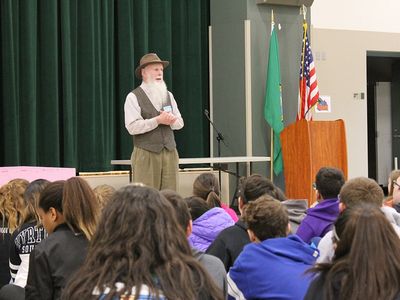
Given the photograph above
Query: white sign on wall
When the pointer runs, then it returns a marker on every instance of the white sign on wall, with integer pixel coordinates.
(323, 105)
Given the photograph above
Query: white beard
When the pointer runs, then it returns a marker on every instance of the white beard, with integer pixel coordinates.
(158, 90)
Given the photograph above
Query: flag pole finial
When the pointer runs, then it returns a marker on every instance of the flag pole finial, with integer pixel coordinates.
(272, 16)
(303, 11)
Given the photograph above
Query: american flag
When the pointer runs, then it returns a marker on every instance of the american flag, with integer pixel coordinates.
(308, 86)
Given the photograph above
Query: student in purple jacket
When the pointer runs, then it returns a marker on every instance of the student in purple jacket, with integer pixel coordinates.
(207, 222)
(319, 219)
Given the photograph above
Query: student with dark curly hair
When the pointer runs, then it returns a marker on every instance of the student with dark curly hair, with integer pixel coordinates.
(137, 252)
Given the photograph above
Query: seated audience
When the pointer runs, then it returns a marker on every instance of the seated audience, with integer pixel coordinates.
(354, 192)
(366, 264)
(230, 242)
(393, 199)
(207, 223)
(23, 241)
(69, 213)
(320, 218)
(103, 194)
(206, 186)
(140, 252)
(11, 215)
(389, 208)
(273, 265)
(211, 263)
(297, 211)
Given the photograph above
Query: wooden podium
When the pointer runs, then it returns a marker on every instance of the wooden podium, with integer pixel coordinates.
(306, 147)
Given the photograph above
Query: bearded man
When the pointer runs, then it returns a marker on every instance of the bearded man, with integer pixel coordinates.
(151, 115)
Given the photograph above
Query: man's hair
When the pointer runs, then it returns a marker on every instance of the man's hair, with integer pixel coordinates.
(267, 218)
(180, 206)
(256, 186)
(361, 190)
(329, 181)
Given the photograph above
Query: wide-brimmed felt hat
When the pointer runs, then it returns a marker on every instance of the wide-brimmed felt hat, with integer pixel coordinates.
(147, 59)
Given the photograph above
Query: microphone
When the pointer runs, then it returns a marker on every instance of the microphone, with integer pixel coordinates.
(206, 113)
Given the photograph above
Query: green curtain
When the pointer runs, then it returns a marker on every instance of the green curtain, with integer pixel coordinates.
(67, 66)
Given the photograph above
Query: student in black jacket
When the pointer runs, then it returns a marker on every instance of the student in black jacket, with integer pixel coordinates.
(69, 214)
(230, 242)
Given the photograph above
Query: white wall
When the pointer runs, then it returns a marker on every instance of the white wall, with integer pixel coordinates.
(364, 15)
(342, 73)
(341, 34)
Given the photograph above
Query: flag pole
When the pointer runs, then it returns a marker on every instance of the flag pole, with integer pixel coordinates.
(272, 155)
(303, 52)
(272, 131)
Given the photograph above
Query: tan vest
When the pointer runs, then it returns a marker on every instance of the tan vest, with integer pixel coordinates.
(158, 138)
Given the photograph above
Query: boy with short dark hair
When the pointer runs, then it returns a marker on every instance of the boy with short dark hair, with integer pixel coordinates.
(230, 241)
(319, 219)
(273, 265)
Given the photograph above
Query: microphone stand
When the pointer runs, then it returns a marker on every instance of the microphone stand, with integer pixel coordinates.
(219, 138)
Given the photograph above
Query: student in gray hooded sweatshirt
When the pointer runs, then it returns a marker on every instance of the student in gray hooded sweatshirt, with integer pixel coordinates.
(212, 264)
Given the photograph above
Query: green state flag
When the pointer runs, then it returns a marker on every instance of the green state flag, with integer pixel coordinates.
(273, 99)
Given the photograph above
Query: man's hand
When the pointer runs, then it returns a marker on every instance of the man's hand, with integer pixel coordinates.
(165, 118)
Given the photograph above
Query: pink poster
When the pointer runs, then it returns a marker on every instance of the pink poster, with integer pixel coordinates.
(33, 173)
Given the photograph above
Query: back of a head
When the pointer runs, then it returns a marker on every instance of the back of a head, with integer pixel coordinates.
(12, 204)
(256, 186)
(103, 194)
(361, 190)
(80, 208)
(52, 196)
(143, 208)
(267, 218)
(206, 186)
(180, 206)
(393, 176)
(197, 206)
(136, 241)
(329, 181)
(366, 241)
(31, 197)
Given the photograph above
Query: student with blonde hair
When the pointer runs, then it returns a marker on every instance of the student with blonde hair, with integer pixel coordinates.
(69, 213)
(11, 215)
(103, 194)
(23, 241)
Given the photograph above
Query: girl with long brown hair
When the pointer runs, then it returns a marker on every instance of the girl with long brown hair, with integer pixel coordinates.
(206, 186)
(69, 212)
(366, 264)
(28, 235)
(136, 251)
